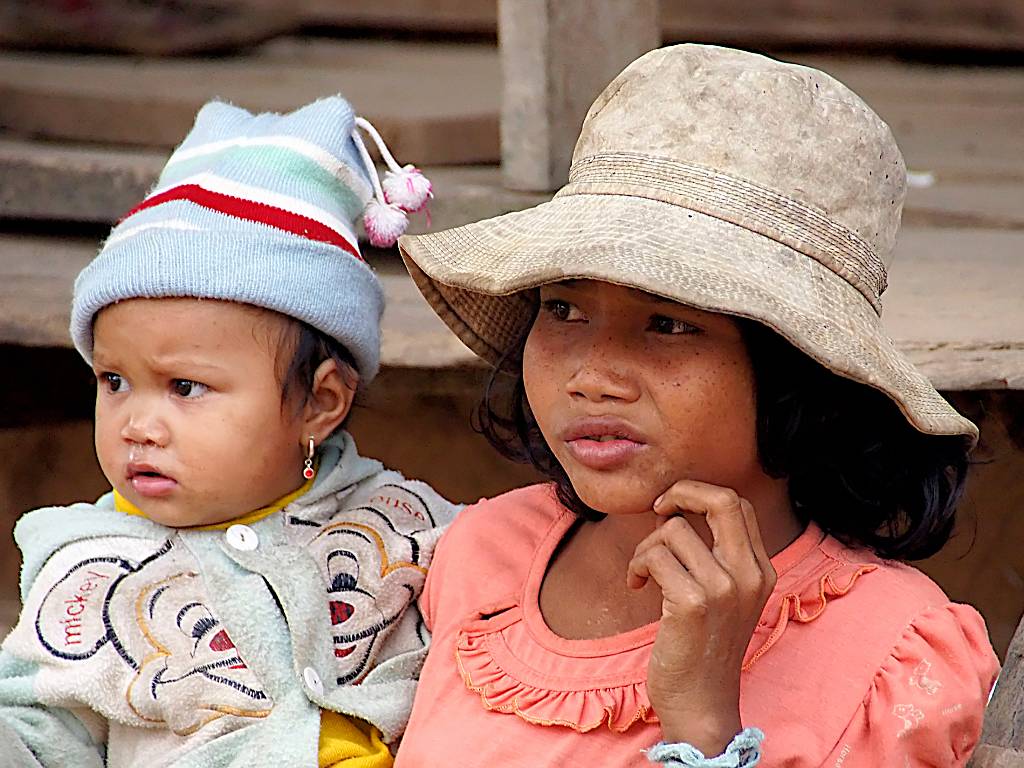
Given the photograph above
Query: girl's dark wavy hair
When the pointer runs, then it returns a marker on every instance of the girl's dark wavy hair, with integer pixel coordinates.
(853, 463)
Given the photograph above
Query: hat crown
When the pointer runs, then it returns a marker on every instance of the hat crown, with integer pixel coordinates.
(784, 127)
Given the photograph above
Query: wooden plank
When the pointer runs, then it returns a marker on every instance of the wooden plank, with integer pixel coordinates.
(994, 25)
(155, 27)
(1004, 719)
(66, 182)
(433, 103)
(954, 305)
(557, 56)
(962, 125)
(61, 182)
(987, 756)
(37, 274)
(960, 319)
(462, 16)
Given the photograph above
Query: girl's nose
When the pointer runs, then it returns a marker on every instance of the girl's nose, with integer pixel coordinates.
(601, 372)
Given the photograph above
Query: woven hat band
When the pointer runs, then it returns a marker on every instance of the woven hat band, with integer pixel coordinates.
(738, 201)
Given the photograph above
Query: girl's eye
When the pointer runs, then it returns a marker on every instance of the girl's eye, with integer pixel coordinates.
(562, 310)
(670, 325)
(113, 381)
(188, 389)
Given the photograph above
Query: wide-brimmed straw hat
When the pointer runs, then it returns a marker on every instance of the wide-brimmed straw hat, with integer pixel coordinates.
(720, 179)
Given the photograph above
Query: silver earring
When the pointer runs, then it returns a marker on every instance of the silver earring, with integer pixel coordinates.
(308, 472)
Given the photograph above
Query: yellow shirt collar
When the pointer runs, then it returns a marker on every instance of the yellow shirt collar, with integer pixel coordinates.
(121, 504)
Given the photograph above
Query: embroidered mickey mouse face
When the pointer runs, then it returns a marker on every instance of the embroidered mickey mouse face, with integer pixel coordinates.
(193, 655)
(143, 625)
(370, 558)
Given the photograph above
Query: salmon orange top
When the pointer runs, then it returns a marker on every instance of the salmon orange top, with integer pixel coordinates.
(856, 661)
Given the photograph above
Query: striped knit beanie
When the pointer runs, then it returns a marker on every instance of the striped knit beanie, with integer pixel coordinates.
(262, 209)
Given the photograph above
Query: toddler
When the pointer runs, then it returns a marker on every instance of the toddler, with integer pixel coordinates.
(246, 594)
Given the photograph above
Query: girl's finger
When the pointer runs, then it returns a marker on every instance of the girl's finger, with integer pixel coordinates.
(723, 509)
(756, 542)
(679, 538)
(679, 589)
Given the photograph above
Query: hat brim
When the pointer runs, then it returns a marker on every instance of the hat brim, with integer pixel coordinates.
(474, 277)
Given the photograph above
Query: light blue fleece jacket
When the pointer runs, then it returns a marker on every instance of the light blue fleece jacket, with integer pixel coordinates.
(144, 645)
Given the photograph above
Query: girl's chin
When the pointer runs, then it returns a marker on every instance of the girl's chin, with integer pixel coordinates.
(617, 500)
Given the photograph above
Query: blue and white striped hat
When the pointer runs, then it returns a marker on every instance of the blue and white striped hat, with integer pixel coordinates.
(262, 209)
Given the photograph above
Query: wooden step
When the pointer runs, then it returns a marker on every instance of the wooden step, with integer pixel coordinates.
(37, 274)
(982, 24)
(78, 183)
(987, 25)
(433, 103)
(954, 306)
(438, 104)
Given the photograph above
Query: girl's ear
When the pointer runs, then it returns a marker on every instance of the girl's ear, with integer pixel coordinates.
(329, 401)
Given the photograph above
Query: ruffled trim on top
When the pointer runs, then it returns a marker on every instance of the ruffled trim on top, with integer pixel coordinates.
(802, 607)
(480, 650)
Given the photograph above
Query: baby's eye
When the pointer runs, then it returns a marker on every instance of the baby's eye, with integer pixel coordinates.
(562, 310)
(188, 389)
(114, 382)
(670, 325)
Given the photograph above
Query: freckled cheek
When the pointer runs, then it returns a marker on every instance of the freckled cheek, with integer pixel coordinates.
(542, 377)
(710, 414)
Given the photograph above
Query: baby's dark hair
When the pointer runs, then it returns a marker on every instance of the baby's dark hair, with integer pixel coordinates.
(853, 463)
(309, 348)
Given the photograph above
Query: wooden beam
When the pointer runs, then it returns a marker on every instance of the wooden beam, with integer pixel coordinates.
(433, 103)
(1004, 717)
(995, 25)
(557, 56)
(959, 320)
(987, 756)
(992, 25)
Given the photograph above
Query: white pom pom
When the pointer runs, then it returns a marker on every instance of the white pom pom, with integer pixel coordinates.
(409, 189)
(384, 223)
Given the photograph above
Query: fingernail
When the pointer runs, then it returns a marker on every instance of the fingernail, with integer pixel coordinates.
(657, 501)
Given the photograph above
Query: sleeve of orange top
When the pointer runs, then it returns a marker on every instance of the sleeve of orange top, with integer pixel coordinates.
(927, 700)
(349, 743)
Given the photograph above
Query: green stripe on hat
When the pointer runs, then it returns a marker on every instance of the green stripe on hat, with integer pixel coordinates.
(281, 161)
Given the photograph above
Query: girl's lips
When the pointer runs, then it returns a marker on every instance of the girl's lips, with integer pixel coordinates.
(604, 454)
(603, 442)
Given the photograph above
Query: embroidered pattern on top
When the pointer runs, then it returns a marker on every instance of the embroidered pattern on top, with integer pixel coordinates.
(374, 568)
(154, 616)
(911, 717)
(919, 678)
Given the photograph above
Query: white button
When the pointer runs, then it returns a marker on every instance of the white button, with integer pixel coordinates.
(242, 537)
(313, 681)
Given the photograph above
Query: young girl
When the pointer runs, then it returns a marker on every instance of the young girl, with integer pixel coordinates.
(244, 596)
(687, 342)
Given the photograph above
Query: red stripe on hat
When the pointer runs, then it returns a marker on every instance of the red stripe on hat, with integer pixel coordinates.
(250, 210)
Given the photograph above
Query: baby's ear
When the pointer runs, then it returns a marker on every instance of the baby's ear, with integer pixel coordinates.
(330, 400)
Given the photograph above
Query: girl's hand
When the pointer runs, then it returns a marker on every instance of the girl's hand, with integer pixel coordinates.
(712, 600)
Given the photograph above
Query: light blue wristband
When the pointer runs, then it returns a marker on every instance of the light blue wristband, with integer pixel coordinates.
(744, 751)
